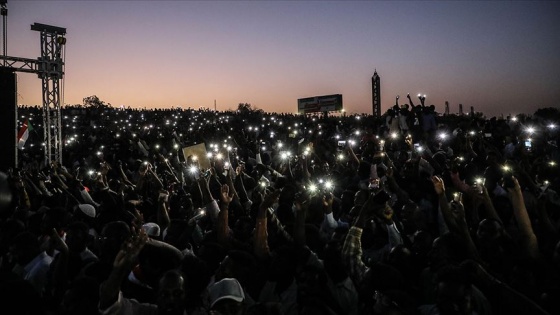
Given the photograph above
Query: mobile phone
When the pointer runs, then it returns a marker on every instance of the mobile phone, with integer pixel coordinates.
(508, 182)
(488, 135)
(374, 184)
(544, 188)
(528, 144)
(457, 197)
(341, 143)
(200, 214)
(479, 183)
(164, 196)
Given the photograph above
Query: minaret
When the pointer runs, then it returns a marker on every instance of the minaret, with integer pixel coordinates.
(376, 94)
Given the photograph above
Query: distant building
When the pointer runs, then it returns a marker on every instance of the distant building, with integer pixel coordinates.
(376, 94)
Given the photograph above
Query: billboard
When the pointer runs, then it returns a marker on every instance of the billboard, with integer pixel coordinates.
(325, 103)
(198, 150)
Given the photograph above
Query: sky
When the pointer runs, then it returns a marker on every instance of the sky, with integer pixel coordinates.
(499, 57)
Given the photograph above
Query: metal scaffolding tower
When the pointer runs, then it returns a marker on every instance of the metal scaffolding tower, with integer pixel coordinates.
(51, 71)
(49, 67)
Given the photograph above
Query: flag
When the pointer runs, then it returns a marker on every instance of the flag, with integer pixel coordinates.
(23, 133)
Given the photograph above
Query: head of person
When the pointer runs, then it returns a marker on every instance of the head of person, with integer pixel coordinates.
(243, 228)
(454, 291)
(333, 261)
(446, 249)
(156, 258)
(489, 231)
(25, 247)
(197, 275)
(408, 216)
(226, 297)
(56, 218)
(112, 236)
(82, 297)
(77, 236)
(171, 293)
(382, 209)
(360, 198)
(401, 258)
(237, 264)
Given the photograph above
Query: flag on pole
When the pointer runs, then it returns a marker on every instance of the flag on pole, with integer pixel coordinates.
(23, 133)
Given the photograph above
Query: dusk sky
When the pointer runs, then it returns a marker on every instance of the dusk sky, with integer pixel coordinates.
(500, 57)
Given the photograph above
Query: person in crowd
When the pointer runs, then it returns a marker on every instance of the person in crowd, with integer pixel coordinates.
(184, 211)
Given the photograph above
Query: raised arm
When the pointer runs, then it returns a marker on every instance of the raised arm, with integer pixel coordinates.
(410, 100)
(352, 248)
(402, 195)
(125, 260)
(162, 213)
(301, 205)
(507, 299)
(352, 155)
(455, 219)
(329, 223)
(491, 212)
(528, 239)
(261, 249)
(226, 196)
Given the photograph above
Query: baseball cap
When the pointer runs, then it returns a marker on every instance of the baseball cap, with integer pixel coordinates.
(87, 209)
(152, 229)
(227, 288)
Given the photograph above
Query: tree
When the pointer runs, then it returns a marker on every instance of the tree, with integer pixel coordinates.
(244, 107)
(549, 113)
(94, 102)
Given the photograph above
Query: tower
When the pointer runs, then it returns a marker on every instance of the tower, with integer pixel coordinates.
(376, 94)
(50, 69)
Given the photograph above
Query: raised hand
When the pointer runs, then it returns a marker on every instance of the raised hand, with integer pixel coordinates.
(57, 243)
(270, 199)
(328, 200)
(225, 196)
(105, 167)
(239, 169)
(130, 249)
(438, 185)
(516, 189)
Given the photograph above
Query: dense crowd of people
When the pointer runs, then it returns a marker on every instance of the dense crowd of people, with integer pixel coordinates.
(410, 213)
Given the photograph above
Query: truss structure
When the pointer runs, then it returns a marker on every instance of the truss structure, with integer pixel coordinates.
(49, 67)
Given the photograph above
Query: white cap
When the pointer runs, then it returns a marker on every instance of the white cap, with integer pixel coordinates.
(227, 288)
(87, 209)
(151, 229)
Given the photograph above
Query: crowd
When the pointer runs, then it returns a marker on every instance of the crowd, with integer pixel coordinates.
(410, 213)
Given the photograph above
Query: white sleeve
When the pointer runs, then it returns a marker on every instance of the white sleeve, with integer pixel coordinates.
(212, 209)
(394, 235)
(124, 306)
(329, 224)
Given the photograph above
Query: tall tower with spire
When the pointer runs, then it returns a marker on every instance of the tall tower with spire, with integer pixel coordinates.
(376, 94)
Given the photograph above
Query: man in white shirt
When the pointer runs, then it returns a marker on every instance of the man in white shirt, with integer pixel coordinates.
(32, 264)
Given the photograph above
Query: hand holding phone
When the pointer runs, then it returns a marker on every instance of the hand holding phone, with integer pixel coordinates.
(457, 197)
(163, 196)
